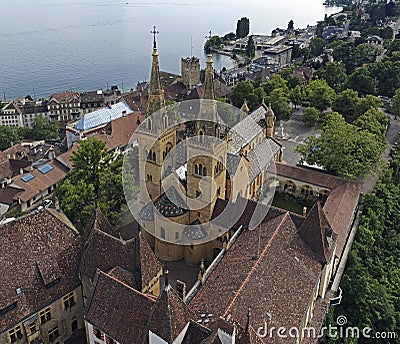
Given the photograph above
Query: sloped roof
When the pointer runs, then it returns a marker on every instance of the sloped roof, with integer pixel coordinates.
(119, 310)
(247, 129)
(171, 204)
(318, 233)
(280, 280)
(103, 116)
(169, 315)
(36, 240)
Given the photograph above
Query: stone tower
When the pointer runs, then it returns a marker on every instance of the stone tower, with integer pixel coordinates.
(269, 120)
(156, 99)
(207, 154)
(156, 137)
(190, 71)
(244, 110)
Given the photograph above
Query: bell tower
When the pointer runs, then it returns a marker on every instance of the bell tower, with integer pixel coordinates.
(156, 136)
(207, 154)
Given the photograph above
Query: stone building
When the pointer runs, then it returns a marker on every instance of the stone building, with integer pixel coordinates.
(190, 72)
(40, 292)
(64, 106)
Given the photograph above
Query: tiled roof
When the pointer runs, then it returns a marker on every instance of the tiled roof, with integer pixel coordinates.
(171, 204)
(247, 129)
(99, 117)
(169, 315)
(40, 181)
(279, 281)
(261, 156)
(119, 310)
(5, 168)
(36, 249)
(124, 276)
(119, 131)
(92, 96)
(232, 162)
(65, 97)
(104, 250)
(318, 233)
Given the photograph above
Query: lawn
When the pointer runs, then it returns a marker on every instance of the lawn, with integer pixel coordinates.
(288, 202)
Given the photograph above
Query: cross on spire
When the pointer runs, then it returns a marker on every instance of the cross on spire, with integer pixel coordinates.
(209, 35)
(154, 32)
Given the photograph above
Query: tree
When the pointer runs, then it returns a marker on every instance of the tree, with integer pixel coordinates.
(320, 94)
(395, 106)
(240, 92)
(345, 103)
(296, 96)
(342, 148)
(362, 82)
(374, 121)
(94, 182)
(275, 82)
(317, 45)
(280, 103)
(311, 116)
(242, 27)
(290, 25)
(250, 48)
(42, 129)
(364, 104)
(364, 53)
(8, 136)
(335, 75)
(387, 75)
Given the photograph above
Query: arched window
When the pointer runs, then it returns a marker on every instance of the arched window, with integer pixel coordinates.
(149, 124)
(154, 156)
(204, 171)
(196, 169)
(201, 138)
(165, 122)
(162, 233)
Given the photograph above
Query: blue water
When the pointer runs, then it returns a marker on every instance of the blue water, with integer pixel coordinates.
(55, 45)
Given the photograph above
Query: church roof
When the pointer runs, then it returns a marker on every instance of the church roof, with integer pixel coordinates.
(247, 129)
(171, 204)
(261, 156)
(195, 231)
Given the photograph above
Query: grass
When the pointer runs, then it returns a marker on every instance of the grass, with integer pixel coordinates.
(290, 203)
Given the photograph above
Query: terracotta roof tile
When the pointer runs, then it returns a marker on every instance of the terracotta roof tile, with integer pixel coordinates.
(40, 239)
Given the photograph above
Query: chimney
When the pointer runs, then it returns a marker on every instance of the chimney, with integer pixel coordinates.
(181, 289)
(304, 211)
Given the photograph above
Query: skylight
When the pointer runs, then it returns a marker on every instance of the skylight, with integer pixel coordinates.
(46, 168)
(27, 177)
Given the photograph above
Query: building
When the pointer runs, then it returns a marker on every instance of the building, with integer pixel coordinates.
(33, 109)
(64, 106)
(282, 54)
(11, 115)
(190, 71)
(91, 101)
(40, 292)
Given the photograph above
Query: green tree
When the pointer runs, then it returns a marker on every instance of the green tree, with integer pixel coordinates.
(345, 103)
(362, 82)
(317, 45)
(42, 129)
(364, 104)
(374, 121)
(242, 27)
(364, 53)
(387, 75)
(241, 91)
(296, 96)
(8, 136)
(250, 47)
(320, 94)
(335, 75)
(311, 116)
(277, 81)
(280, 103)
(395, 105)
(342, 148)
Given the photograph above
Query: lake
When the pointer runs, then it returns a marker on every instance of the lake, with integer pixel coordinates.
(56, 45)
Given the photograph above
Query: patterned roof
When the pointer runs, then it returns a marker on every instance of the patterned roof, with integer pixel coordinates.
(261, 156)
(171, 204)
(247, 129)
(103, 116)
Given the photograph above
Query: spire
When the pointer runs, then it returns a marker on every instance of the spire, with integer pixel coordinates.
(156, 99)
(167, 285)
(209, 79)
(245, 108)
(248, 320)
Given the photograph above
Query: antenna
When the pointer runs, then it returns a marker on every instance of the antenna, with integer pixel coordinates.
(154, 32)
(259, 241)
(191, 46)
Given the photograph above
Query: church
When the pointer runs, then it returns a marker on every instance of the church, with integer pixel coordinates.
(201, 161)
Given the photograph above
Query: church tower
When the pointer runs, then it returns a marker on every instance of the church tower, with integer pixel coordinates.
(269, 120)
(156, 99)
(156, 136)
(207, 152)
